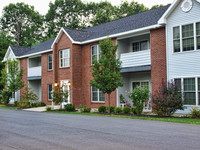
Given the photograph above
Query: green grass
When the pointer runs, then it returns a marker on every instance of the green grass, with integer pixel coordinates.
(6, 107)
(165, 119)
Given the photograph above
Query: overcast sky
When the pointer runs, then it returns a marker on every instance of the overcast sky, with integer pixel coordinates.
(42, 5)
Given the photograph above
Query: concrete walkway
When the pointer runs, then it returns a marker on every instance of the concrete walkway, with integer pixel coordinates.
(41, 109)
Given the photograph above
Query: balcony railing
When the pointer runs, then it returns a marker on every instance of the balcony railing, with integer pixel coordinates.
(34, 71)
(133, 59)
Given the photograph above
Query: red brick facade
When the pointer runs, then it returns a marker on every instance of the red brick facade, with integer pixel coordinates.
(158, 59)
(23, 65)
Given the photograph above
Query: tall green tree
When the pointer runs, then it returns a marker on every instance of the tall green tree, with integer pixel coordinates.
(23, 23)
(106, 71)
(12, 78)
(5, 41)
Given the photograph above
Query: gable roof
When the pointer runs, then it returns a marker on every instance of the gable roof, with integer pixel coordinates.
(175, 3)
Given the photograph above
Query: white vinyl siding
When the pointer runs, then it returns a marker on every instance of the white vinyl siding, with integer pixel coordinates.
(64, 58)
(95, 53)
(50, 62)
(50, 90)
(97, 95)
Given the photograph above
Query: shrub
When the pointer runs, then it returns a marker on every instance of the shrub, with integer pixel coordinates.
(139, 96)
(23, 104)
(195, 112)
(86, 110)
(126, 110)
(118, 110)
(133, 110)
(81, 108)
(6, 95)
(16, 103)
(70, 107)
(102, 109)
(112, 109)
(167, 100)
(48, 108)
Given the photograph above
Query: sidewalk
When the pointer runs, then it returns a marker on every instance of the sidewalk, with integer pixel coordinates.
(41, 109)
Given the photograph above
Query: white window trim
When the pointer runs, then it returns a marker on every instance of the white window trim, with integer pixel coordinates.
(181, 38)
(140, 84)
(51, 62)
(98, 97)
(68, 49)
(68, 88)
(142, 40)
(48, 92)
(97, 52)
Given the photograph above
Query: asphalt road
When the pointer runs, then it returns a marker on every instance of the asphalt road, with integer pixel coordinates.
(45, 131)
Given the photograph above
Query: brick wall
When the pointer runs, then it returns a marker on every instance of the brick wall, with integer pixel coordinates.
(23, 65)
(158, 59)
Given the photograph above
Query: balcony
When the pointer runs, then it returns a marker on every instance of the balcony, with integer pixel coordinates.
(134, 59)
(34, 67)
(34, 71)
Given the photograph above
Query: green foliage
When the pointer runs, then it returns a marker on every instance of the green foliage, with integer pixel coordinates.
(133, 110)
(102, 109)
(122, 99)
(23, 23)
(81, 108)
(195, 112)
(23, 104)
(112, 109)
(118, 110)
(59, 95)
(139, 96)
(86, 109)
(48, 108)
(106, 72)
(38, 104)
(6, 96)
(29, 95)
(126, 110)
(70, 107)
(167, 100)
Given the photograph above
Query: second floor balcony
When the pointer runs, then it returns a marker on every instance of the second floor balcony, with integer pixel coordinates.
(34, 67)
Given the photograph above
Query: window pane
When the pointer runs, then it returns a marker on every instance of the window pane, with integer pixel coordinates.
(188, 44)
(101, 96)
(176, 45)
(145, 85)
(189, 84)
(50, 88)
(199, 84)
(94, 53)
(135, 84)
(178, 84)
(50, 66)
(190, 98)
(136, 47)
(198, 28)
(144, 45)
(176, 32)
(187, 31)
(198, 42)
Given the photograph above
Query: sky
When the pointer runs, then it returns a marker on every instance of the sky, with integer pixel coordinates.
(42, 5)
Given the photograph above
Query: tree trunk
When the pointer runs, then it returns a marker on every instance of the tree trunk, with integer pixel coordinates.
(109, 103)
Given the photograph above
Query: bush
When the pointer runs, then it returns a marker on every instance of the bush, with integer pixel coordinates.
(86, 110)
(195, 112)
(139, 96)
(81, 108)
(16, 103)
(133, 110)
(167, 101)
(70, 107)
(48, 108)
(38, 104)
(112, 109)
(118, 110)
(126, 110)
(23, 104)
(6, 95)
(102, 109)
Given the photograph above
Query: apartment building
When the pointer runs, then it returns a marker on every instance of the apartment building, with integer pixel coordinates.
(156, 46)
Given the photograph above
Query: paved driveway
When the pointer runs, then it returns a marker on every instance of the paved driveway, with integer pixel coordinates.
(44, 131)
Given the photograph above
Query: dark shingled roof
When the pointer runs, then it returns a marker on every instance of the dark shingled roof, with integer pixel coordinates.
(125, 24)
(132, 22)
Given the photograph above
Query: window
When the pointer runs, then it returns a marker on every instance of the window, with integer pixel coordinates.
(95, 53)
(189, 91)
(50, 62)
(140, 46)
(188, 37)
(144, 84)
(97, 95)
(198, 35)
(176, 37)
(178, 84)
(50, 90)
(64, 58)
(199, 89)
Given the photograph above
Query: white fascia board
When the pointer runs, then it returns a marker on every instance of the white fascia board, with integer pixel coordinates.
(33, 54)
(163, 20)
(6, 55)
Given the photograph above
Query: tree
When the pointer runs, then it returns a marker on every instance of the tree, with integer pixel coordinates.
(23, 23)
(5, 41)
(59, 95)
(12, 78)
(106, 71)
(29, 95)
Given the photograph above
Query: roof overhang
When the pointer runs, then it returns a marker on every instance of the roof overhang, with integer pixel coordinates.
(135, 31)
(38, 53)
(136, 69)
(163, 19)
(9, 50)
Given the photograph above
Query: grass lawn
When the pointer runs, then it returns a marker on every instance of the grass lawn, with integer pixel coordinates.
(164, 119)
(7, 107)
